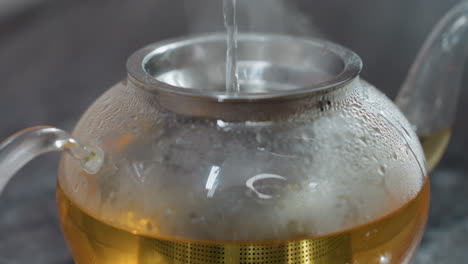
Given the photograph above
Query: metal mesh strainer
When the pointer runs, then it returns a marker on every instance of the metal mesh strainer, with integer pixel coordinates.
(311, 251)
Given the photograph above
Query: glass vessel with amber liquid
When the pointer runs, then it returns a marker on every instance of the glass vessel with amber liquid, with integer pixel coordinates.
(306, 163)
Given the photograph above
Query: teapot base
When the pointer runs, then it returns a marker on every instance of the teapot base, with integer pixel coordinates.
(390, 239)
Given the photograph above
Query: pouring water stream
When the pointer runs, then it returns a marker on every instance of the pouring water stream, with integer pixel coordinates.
(230, 22)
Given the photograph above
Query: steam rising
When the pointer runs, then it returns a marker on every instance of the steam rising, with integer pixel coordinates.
(246, 16)
(266, 16)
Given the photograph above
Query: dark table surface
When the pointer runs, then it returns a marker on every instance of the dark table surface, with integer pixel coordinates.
(58, 56)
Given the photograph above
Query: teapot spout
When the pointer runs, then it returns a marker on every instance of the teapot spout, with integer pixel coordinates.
(429, 95)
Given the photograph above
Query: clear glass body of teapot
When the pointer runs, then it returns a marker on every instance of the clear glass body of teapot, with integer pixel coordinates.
(336, 176)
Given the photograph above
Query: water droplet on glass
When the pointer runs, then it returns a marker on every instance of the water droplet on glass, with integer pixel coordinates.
(76, 188)
(363, 140)
(259, 138)
(222, 124)
(105, 107)
(101, 123)
(313, 186)
(382, 169)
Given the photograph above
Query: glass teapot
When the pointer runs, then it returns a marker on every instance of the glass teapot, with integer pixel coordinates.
(308, 163)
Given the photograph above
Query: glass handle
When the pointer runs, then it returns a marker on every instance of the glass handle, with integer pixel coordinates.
(430, 94)
(24, 146)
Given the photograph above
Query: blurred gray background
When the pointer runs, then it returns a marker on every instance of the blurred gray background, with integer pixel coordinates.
(56, 57)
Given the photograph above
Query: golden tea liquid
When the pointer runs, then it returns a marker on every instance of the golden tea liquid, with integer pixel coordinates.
(390, 239)
(434, 146)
